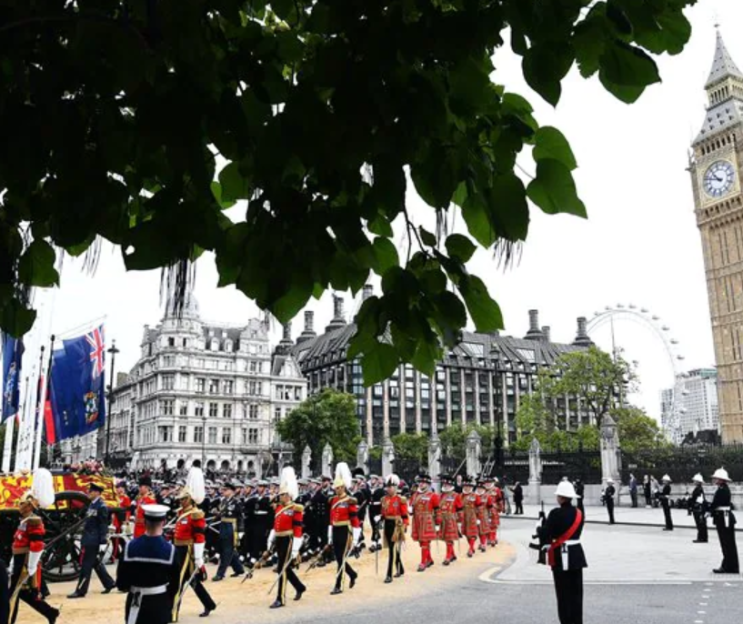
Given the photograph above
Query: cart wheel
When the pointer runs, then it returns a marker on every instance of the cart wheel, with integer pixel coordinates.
(61, 562)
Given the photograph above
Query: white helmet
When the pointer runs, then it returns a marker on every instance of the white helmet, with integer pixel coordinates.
(666, 478)
(721, 474)
(610, 481)
(566, 490)
(698, 478)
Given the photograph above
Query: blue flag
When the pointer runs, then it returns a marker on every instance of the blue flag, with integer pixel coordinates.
(77, 386)
(12, 355)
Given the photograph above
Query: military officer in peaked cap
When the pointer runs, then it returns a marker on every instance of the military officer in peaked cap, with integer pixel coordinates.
(148, 572)
(228, 513)
(724, 519)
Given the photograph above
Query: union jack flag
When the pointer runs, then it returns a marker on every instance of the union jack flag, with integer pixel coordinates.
(97, 349)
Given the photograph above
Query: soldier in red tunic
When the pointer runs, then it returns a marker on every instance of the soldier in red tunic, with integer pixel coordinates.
(344, 531)
(26, 582)
(286, 536)
(120, 518)
(424, 507)
(450, 517)
(471, 503)
(495, 510)
(146, 497)
(394, 513)
(189, 539)
(483, 515)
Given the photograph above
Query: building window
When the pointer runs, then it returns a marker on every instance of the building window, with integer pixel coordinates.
(168, 382)
(212, 435)
(277, 414)
(200, 385)
(244, 438)
(171, 342)
(254, 367)
(227, 410)
(252, 436)
(198, 434)
(168, 360)
(167, 407)
(164, 434)
(214, 345)
(253, 412)
(226, 435)
(214, 386)
(213, 409)
(184, 409)
(254, 388)
(185, 343)
(227, 387)
(182, 432)
(298, 393)
(198, 409)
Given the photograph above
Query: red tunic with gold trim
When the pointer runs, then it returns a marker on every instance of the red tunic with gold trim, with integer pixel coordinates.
(190, 527)
(483, 513)
(139, 527)
(288, 520)
(424, 506)
(450, 516)
(344, 511)
(28, 538)
(471, 504)
(495, 510)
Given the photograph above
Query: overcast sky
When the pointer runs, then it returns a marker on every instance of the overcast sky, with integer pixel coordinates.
(640, 244)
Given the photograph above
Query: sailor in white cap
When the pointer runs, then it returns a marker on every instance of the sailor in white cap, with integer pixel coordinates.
(148, 572)
(724, 519)
(565, 554)
(665, 501)
(697, 505)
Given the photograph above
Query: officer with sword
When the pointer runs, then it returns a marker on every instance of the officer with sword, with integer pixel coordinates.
(344, 532)
(395, 518)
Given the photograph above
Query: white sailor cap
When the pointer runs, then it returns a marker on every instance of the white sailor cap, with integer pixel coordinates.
(155, 512)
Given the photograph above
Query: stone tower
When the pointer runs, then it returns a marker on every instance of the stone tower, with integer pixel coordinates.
(715, 174)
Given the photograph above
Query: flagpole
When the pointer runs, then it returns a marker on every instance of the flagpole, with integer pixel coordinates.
(8, 444)
(19, 463)
(41, 420)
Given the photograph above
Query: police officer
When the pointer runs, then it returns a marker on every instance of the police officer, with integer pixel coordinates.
(697, 505)
(609, 493)
(94, 541)
(665, 501)
(724, 519)
(565, 554)
(229, 510)
(148, 572)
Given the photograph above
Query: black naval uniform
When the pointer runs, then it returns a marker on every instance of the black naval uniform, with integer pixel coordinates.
(262, 523)
(724, 519)
(700, 519)
(579, 489)
(375, 512)
(609, 493)
(568, 579)
(95, 535)
(229, 510)
(148, 572)
(320, 519)
(665, 501)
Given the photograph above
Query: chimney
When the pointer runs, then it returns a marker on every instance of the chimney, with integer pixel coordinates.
(339, 319)
(287, 337)
(286, 343)
(534, 332)
(368, 292)
(546, 332)
(582, 339)
(309, 327)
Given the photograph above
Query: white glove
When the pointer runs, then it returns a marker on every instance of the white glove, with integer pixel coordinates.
(377, 519)
(296, 545)
(33, 562)
(478, 523)
(356, 535)
(198, 555)
(102, 548)
(271, 539)
(10, 566)
(330, 534)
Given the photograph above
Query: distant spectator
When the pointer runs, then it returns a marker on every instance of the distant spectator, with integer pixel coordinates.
(633, 489)
(518, 499)
(579, 489)
(609, 493)
(656, 490)
(646, 490)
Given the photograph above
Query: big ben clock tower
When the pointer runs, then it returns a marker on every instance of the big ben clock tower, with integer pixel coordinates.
(715, 175)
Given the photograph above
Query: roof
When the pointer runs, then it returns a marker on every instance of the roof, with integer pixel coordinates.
(331, 347)
(723, 65)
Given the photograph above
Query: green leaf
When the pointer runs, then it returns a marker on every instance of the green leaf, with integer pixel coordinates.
(460, 247)
(385, 255)
(545, 66)
(475, 213)
(234, 185)
(509, 212)
(551, 143)
(553, 190)
(217, 192)
(36, 266)
(379, 363)
(427, 238)
(626, 71)
(427, 354)
(485, 312)
(380, 226)
(16, 319)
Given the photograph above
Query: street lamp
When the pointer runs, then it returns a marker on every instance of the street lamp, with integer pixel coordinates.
(113, 351)
(203, 442)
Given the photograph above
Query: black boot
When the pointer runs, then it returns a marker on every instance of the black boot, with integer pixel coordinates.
(277, 604)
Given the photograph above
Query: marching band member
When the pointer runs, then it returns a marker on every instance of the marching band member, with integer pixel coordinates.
(189, 539)
(286, 536)
(344, 531)
(394, 513)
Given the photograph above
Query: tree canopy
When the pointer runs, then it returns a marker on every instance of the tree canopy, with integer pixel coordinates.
(325, 418)
(116, 115)
(638, 431)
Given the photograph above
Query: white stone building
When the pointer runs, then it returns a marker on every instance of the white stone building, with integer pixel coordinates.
(207, 391)
(698, 405)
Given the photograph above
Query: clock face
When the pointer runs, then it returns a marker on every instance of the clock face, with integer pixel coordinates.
(719, 178)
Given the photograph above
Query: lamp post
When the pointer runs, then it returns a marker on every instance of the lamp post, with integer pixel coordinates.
(113, 351)
(203, 442)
